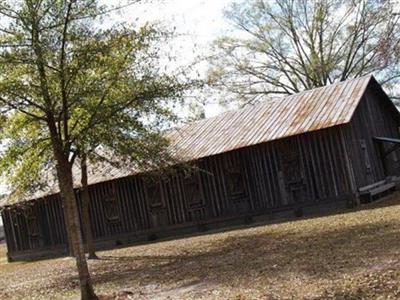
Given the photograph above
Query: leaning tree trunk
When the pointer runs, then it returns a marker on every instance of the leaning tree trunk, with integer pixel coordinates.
(64, 172)
(90, 247)
(67, 227)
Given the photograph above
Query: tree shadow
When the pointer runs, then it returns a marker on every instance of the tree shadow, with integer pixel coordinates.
(324, 254)
(266, 219)
(275, 254)
(317, 251)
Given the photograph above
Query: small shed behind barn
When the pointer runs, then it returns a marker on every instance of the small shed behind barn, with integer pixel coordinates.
(310, 150)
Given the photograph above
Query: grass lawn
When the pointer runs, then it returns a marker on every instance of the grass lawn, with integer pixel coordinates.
(348, 255)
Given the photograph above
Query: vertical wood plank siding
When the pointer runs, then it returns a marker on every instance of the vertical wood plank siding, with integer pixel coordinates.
(323, 176)
(303, 170)
(372, 118)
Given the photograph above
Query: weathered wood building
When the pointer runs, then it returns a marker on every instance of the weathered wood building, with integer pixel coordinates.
(312, 149)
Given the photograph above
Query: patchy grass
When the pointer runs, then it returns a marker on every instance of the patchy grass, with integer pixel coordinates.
(349, 255)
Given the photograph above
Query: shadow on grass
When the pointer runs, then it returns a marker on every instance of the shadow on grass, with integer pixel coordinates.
(387, 201)
(301, 248)
(275, 255)
(319, 255)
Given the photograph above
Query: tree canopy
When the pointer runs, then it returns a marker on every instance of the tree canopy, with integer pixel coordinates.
(105, 89)
(287, 46)
(70, 87)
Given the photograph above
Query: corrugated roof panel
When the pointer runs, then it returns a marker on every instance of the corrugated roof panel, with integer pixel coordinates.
(274, 119)
(266, 121)
(295, 118)
(327, 111)
(315, 107)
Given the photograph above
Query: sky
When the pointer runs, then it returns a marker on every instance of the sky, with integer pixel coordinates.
(200, 20)
(197, 23)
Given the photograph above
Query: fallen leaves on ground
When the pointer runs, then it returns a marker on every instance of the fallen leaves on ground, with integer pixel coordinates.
(347, 255)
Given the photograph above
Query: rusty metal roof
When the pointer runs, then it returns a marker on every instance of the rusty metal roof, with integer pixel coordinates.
(271, 120)
(266, 121)
(263, 122)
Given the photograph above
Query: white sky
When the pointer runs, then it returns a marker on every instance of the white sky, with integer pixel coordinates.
(197, 22)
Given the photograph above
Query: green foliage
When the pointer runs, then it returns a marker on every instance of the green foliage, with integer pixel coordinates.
(67, 83)
(26, 155)
(286, 46)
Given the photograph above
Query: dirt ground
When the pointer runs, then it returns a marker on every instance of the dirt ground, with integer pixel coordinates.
(347, 255)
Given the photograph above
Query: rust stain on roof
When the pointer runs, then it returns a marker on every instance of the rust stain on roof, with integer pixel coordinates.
(263, 122)
(270, 120)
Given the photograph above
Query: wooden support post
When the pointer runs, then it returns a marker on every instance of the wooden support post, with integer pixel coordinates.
(383, 158)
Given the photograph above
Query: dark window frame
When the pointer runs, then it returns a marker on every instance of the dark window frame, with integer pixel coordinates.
(193, 188)
(290, 161)
(154, 192)
(32, 223)
(235, 179)
(111, 206)
(236, 182)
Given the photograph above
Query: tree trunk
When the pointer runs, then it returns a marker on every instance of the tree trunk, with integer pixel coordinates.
(64, 172)
(90, 247)
(67, 228)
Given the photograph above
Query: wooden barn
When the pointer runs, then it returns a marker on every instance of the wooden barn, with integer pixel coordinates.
(320, 148)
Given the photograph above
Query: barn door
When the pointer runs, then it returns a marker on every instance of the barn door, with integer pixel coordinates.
(156, 201)
(30, 213)
(291, 174)
(235, 183)
(194, 195)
